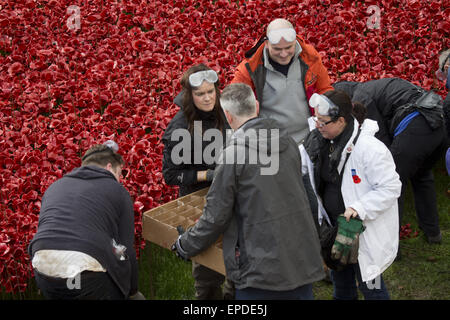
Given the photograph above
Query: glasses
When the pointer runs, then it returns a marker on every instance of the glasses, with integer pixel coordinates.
(196, 79)
(321, 124)
(275, 36)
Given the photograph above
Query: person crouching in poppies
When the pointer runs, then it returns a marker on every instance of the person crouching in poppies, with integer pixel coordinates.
(84, 245)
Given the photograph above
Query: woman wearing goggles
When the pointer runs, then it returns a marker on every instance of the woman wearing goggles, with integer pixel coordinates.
(353, 177)
(202, 87)
(326, 113)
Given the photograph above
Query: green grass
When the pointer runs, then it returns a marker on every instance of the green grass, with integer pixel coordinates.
(164, 276)
(422, 273)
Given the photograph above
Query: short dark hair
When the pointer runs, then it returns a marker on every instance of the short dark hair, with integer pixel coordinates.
(101, 155)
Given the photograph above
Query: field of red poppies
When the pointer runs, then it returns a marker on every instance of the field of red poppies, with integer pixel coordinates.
(74, 73)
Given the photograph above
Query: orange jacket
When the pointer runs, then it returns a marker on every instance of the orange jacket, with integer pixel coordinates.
(252, 72)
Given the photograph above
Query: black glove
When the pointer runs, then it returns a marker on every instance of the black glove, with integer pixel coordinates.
(209, 175)
(177, 246)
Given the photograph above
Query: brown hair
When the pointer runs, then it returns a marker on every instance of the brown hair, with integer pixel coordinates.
(189, 108)
(101, 155)
(359, 111)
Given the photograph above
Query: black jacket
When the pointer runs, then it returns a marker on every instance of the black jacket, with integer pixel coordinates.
(261, 208)
(84, 211)
(382, 98)
(185, 174)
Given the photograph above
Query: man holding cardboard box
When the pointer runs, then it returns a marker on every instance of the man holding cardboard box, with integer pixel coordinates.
(258, 202)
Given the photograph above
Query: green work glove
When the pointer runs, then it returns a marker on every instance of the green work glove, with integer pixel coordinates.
(346, 244)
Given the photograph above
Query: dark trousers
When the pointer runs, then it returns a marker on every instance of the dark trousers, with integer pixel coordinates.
(416, 150)
(344, 285)
(301, 293)
(89, 286)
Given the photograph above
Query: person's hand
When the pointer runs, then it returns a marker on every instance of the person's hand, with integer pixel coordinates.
(346, 244)
(350, 213)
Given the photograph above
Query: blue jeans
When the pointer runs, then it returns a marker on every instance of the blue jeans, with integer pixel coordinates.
(344, 285)
(301, 293)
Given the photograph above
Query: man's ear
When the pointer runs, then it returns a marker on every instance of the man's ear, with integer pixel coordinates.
(109, 166)
(229, 117)
(257, 108)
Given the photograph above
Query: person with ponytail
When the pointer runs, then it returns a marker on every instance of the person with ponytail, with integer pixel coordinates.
(352, 175)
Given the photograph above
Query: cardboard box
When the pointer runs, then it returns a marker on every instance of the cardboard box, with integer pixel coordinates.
(160, 227)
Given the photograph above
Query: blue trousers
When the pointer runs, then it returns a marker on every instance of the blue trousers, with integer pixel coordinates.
(301, 293)
(344, 285)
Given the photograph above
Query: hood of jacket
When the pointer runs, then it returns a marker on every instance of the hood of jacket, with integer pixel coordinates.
(178, 100)
(369, 127)
(348, 87)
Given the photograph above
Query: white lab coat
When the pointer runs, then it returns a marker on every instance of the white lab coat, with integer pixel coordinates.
(374, 197)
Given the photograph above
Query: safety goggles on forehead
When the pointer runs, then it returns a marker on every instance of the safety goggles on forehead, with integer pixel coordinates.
(325, 106)
(196, 79)
(287, 34)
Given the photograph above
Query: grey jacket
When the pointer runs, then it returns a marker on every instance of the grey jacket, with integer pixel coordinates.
(269, 238)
